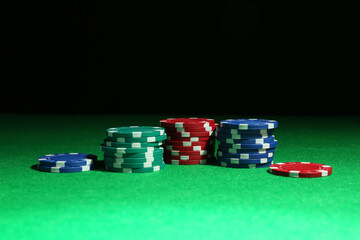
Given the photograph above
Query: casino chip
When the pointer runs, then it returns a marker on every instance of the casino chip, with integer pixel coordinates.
(190, 141)
(67, 162)
(246, 143)
(300, 169)
(134, 149)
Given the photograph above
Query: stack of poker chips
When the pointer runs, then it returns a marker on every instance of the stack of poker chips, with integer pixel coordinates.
(67, 162)
(134, 149)
(190, 141)
(246, 143)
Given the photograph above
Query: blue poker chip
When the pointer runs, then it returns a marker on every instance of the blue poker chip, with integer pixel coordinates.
(245, 161)
(251, 155)
(250, 146)
(240, 136)
(247, 141)
(225, 164)
(64, 169)
(246, 132)
(248, 124)
(67, 160)
(234, 150)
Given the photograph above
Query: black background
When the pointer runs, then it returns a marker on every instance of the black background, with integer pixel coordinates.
(206, 57)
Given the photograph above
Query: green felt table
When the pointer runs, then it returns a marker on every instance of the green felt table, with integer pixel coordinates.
(179, 202)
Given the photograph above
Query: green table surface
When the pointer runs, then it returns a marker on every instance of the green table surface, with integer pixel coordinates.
(180, 202)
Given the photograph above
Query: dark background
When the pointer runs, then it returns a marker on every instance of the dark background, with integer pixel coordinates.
(196, 57)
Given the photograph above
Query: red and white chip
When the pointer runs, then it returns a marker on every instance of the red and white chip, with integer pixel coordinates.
(189, 143)
(301, 169)
(187, 122)
(190, 134)
(189, 139)
(187, 157)
(180, 152)
(187, 129)
(187, 148)
(190, 162)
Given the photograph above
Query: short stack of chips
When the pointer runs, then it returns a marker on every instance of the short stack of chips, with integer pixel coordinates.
(67, 162)
(134, 149)
(190, 141)
(246, 143)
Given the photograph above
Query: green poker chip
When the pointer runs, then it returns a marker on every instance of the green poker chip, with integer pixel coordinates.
(133, 160)
(127, 150)
(140, 140)
(157, 152)
(136, 170)
(135, 132)
(133, 165)
(131, 145)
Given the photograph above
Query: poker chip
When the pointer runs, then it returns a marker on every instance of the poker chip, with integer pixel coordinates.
(127, 150)
(267, 154)
(248, 124)
(189, 143)
(134, 149)
(272, 144)
(186, 122)
(225, 164)
(192, 129)
(135, 165)
(186, 162)
(64, 169)
(67, 162)
(131, 144)
(233, 131)
(135, 170)
(135, 131)
(132, 160)
(234, 150)
(245, 161)
(158, 152)
(186, 148)
(190, 134)
(246, 143)
(137, 140)
(182, 152)
(188, 157)
(300, 169)
(189, 139)
(240, 136)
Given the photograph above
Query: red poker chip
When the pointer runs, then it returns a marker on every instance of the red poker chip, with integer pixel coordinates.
(189, 143)
(187, 157)
(188, 162)
(190, 134)
(189, 139)
(187, 122)
(301, 169)
(187, 129)
(181, 152)
(188, 148)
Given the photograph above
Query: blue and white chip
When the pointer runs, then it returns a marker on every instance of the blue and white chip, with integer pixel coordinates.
(249, 124)
(67, 160)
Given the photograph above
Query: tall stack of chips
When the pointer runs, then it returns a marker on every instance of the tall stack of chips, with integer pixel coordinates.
(189, 141)
(246, 143)
(134, 149)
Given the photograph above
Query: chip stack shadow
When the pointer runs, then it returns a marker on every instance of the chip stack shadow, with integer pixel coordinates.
(134, 149)
(190, 141)
(246, 143)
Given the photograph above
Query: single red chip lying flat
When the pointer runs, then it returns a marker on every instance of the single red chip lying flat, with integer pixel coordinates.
(301, 169)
